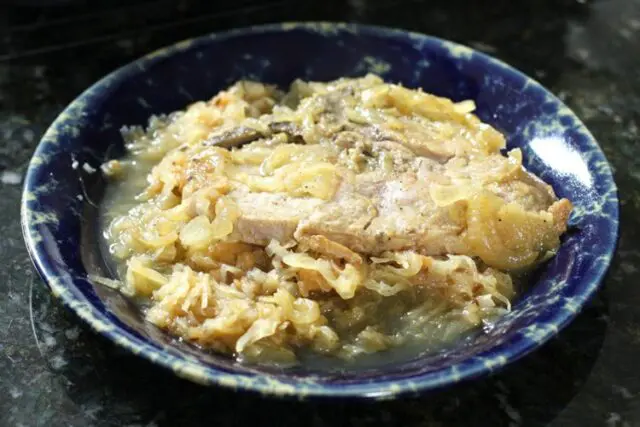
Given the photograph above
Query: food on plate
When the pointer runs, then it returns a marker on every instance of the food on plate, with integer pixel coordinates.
(342, 218)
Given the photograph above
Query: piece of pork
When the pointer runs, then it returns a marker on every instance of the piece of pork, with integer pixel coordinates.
(432, 150)
(266, 216)
(373, 212)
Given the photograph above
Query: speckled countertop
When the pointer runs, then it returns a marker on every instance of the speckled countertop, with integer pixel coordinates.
(54, 372)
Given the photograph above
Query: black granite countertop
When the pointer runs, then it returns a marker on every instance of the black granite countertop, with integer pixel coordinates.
(55, 372)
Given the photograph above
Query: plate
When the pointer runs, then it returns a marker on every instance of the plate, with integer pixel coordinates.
(63, 188)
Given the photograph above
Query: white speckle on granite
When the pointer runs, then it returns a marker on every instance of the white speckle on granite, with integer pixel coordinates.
(512, 413)
(88, 168)
(540, 74)
(58, 362)
(358, 6)
(484, 47)
(622, 391)
(74, 164)
(72, 333)
(28, 135)
(11, 178)
(582, 54)
(38, 71)
(15, 393)
(49, 341)
(92, 410)
(625, 33)
(47, 327)
(15, 297)
(628, 268)
(613, 420)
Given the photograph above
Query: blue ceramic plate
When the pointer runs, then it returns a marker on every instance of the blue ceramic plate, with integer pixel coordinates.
(59, 218)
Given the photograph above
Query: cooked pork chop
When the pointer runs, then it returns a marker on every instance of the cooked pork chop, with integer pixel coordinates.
(406, 180)
(372, 213)
(377, 167)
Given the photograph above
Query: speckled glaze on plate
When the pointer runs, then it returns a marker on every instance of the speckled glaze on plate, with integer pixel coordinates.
(62, 189)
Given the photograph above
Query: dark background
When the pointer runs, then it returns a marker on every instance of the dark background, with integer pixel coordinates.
(54, 372)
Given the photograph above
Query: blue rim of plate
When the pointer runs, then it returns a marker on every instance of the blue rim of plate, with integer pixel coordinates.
(188, 367)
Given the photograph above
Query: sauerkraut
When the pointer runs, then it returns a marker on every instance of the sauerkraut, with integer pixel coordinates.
(343, 218)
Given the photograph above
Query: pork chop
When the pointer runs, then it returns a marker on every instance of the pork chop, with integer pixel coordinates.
(372, 212)
(410, 167)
